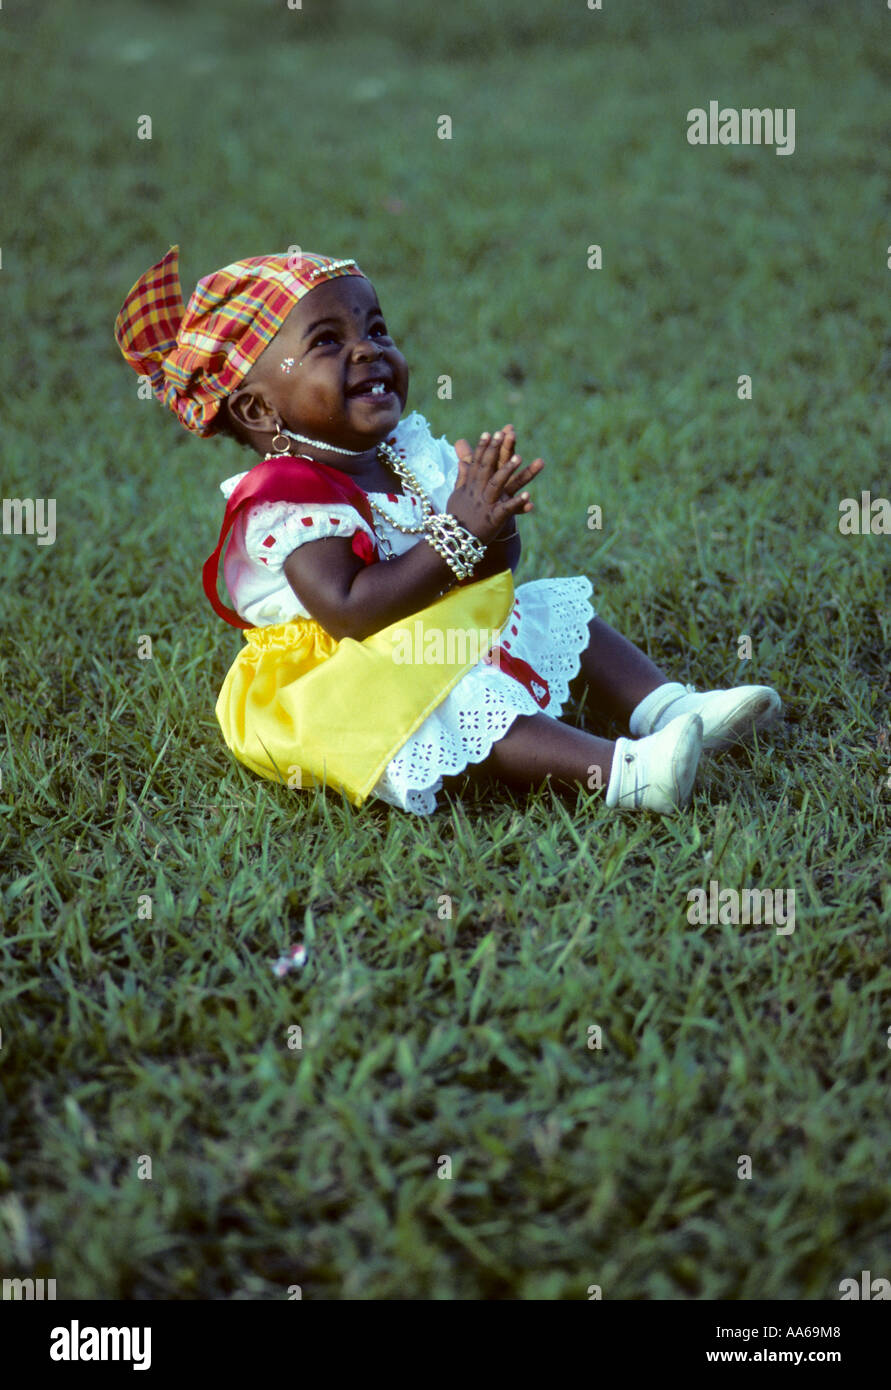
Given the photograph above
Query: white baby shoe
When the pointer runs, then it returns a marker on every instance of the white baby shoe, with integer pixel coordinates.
(728, 716)
(656, 773)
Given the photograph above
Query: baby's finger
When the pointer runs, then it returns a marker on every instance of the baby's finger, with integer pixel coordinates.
(498, 482)
(523, 476)
(465, 459)
(479, 450)
(508, 442)
(488, 450)
(513, 476)
(512, 506)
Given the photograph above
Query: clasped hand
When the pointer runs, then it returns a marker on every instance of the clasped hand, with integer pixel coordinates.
(487, 491)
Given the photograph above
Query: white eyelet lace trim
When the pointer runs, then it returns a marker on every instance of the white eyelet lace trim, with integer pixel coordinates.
(552, 632)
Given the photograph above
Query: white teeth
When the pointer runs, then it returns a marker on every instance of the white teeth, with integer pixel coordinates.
(378, 388)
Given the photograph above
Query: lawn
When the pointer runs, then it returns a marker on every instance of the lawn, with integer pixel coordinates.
(149, 881)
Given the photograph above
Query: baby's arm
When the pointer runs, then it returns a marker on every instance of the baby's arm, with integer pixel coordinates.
(352, 599)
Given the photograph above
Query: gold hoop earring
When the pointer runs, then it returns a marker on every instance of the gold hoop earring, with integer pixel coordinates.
(285, 442)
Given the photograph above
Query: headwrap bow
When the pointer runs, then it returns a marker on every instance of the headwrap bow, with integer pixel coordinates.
(196, 355)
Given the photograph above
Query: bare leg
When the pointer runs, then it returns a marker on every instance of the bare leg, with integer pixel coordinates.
(618, 674)
(537, 747)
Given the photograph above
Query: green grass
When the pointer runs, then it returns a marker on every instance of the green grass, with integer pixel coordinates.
(464, 1037)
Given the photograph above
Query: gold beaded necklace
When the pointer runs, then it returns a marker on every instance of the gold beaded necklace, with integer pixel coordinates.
(404, 473)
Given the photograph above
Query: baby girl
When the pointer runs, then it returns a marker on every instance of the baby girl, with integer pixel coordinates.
(355, 525)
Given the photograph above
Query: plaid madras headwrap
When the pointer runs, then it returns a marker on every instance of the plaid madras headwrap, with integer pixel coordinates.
(196, 355)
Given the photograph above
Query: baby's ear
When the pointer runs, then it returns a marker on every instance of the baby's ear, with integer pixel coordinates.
(249, 408)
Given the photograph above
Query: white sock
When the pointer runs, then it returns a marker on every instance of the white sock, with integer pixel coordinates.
(615, 775)
(648, 716)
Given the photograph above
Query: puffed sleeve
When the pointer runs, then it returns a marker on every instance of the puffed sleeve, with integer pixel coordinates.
(274, 529)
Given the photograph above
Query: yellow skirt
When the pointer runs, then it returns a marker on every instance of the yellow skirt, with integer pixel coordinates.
(305, 710)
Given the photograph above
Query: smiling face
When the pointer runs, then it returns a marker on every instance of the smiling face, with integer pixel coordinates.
(316, 375)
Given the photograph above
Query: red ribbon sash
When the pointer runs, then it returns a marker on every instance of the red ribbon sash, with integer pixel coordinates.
(521, 671)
